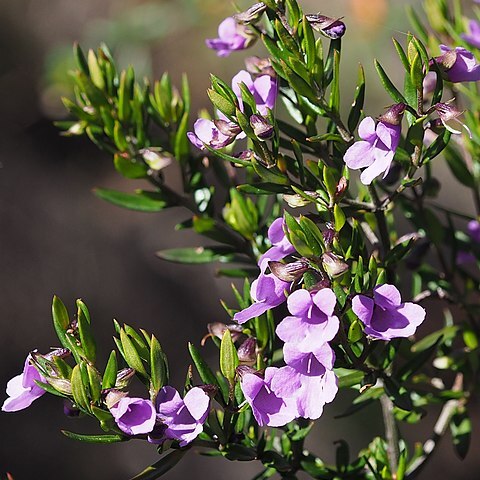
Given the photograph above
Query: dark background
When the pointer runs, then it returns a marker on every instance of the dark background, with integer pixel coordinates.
(57, 238)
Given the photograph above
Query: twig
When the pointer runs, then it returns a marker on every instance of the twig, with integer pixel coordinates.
(439, 430)
(391, 433)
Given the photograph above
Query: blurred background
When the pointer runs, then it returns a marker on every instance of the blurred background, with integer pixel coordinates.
(56, 237)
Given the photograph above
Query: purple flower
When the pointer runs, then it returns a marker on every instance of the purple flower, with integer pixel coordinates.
(473, 37)
(268, 408)
(310, 392)
(312, 323)
(264, 89)
(375, 151)
(385, 316)
(134, 416)
(22, 389)
(205, 131)
(267, 292)
(281, 247)
(231, 36)
(459, 64)
(183, 419)
(473, 229)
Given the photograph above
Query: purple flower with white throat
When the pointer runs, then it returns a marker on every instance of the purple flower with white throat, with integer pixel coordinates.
(385, 316)
(268, 408)
(377, 148)
(134, 416)
(231, 36)
(281, 247)
(206, 132)
(459, 65)
(264, 89)
(473, 37)
(313, 322)
(267, 292)
(183, 418)
(22, 389)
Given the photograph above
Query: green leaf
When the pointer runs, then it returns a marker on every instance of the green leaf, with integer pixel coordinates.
(448, 333)
(339, 217)
(95, 438)
(417, 361)
(335, 86)
(87, 340)
(130, 354)
(158, 374)
(129, 168)
(96, 73)
(416, 71)
(142, 201)
(198, 255)
(61, 320)
(358, 102)
(461, 428)
(202, 367)
(228, 357)
(402, 55)
(94, 383)
(161, 467)
(182, 144)
(348, 378)
(436, 147)
(458, 167)
(80, 59)
(388, 85)
(111, 370)
(225, 106)
(79, 390)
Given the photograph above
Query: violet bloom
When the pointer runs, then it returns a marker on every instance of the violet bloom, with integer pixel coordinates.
(231, 36)
(312, 322)
(376, 149)
(22, 389)
(206, 132)
(459, 64)
(267, 292)
(473, 37)
(268, 408)
(183, 419)
(385, 316)
(134, 416)
(264, 89)
(281, 247)
(311, 392)
(473, 229)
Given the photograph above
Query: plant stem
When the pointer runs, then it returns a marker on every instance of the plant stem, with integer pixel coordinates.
(391, 433)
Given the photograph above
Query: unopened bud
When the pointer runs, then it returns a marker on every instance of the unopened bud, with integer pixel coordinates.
(297, 200)
(329, 234)
(123, 377)
(288, 272)
(342, 186)
(333, 265)
(210, 390)
(330, 27)
(252, 15)
(156, 160)
(247, 352)
(227, 128)
(394, 114)
(217, 329)
(259, 66)
(60, 384)
(69, 410)
(261, 127)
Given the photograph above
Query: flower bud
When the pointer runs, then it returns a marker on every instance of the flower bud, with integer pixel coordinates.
(227, 128)
(69, 410)
(333, 265)
(342, 186)
(261, 127)
(252, 15)
(296, 200)
(156, 160)
(393, 115)
(330, 27)
(329, 234)
(247, 351)
(288, 272)
(123, 377)
(217, 329)
(259, 66)
(210, 390)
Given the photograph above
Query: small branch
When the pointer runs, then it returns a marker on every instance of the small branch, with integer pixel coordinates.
(391, 433)
(439, 430)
